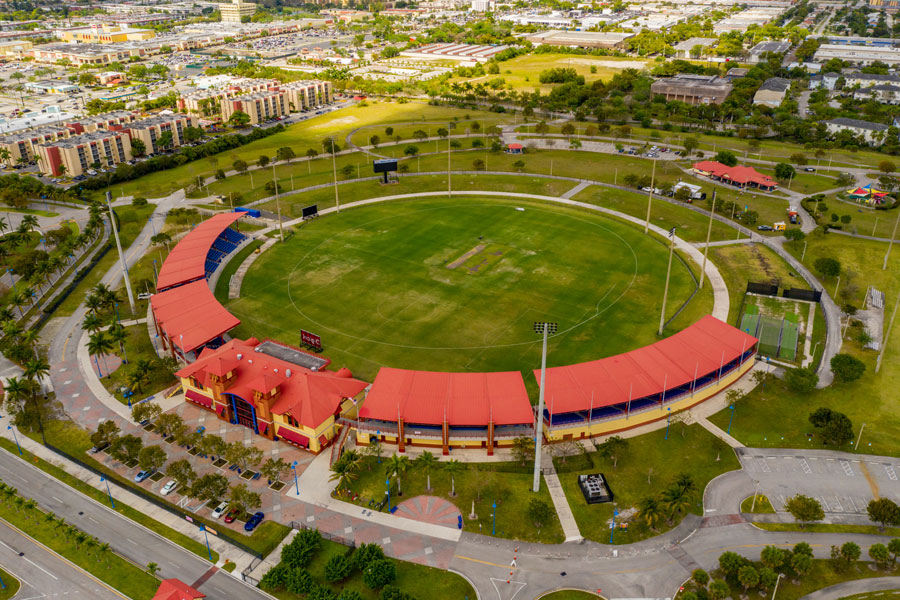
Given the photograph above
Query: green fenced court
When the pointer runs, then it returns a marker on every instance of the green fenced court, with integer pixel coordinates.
(777, 337)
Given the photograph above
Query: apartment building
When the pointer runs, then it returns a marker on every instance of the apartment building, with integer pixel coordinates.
(105, 121)
(260, 106)
(207, 103)
(306, 95)
(23, 144)
(150, 130)
(75, 155)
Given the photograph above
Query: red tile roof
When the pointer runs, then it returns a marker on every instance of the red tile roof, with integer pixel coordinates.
(738, 174)
(174, 589)
(190, 316)
(187, 260)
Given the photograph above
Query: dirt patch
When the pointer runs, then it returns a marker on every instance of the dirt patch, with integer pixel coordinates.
(462, 259)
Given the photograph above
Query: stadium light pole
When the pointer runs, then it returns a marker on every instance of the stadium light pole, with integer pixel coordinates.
(887, 335)
(449, 187)
(650, 197)
(112, 220)
(662, 315)
(337, 200)
(277, 203)
(712, 211)
(891, 243)
(544, 328)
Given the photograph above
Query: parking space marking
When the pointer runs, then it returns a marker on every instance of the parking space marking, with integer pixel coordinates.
(848, 470)
(763, 465)
(805, 466)
(892, 475)
(825, 503)
(853, 504)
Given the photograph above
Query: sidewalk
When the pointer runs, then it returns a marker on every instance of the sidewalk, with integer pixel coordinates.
(225, 550)
(560, 502)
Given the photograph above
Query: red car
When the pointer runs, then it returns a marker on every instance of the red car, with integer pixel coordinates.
(232, 515)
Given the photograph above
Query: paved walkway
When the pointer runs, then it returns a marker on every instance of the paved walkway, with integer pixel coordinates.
(575, 190)
(851, 588)
(560, 502)
(430, 509)
(234, 286)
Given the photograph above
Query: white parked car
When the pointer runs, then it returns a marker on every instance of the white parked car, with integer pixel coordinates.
(169, 487)
(220, 510)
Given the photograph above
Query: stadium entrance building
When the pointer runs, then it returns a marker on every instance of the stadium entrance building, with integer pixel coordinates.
(648, 384)
(278, 391)
(445, 410)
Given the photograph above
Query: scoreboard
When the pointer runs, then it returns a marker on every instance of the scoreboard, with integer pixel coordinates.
(310, 339)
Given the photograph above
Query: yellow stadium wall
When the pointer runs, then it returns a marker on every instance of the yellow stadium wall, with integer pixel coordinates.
(579, 431)
(362, 439)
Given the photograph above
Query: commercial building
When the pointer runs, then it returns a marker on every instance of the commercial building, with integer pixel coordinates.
(51, 87)
(772, 92)
(259, 106)
(236, 10)
(470, 53)
(752, 16)
(150, 130)
(860, 55)
(277, 391)
(872, 133)
(76, 154)
(686, 48)
(580, 39)
(86, 54)
(756, 52)
(104, 34)
(693, 89)
(16, 48)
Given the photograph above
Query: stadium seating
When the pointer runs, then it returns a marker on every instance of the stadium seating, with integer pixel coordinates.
(225, 244)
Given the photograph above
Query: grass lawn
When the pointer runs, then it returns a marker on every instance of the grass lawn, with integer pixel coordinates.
(477, 482)
(863, 220)
(28, 211)
(101, 496)
(742, 263)
(820, 575)
(776, 416)
(690, 449)
(760, 506)
(831, 528)
(229, 269)
(375, 282)
(301, 137)
(523, 72)
(12, 585)
(132, 222)
(112, 569)
(417, 580)
(691, 226)
(137, 346)
(67, 436)
(804, 182)
(569, 595)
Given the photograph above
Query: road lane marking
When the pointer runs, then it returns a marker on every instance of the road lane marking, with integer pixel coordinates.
(483, 562)
(57, 499)
(28, 560)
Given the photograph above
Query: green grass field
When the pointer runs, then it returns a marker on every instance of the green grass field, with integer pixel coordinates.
(375, 284)
(569, 595)
(12, 585)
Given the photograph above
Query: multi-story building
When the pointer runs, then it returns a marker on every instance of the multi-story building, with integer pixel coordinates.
(693, 89)
(23, 145)
(306, 95)
(259, 106)
(150, 130)
(236, 10)
(104, 34)
(103, 121)
(75, 155)
(872, 133)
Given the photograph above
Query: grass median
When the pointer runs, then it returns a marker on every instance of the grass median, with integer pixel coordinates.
(11, 585)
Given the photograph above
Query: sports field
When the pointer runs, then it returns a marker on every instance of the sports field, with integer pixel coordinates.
(456, 285)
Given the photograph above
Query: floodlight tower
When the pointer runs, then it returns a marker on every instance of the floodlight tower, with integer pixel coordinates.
(543, 328)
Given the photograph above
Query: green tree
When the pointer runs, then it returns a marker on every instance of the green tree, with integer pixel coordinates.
(182, 472)
(152, 458)
(847, 368)
(126, 448)
(613, 447)
(884, 511)
(209, 487)
(239, 119)
(700, 577)
(338, 568)
(726, 157)
(539, 512)
(523, 449)
(379, 573)
(827, 267)
(262, 161)
(243, 499)
(894, 548)
(801, 564)
(106, 434)
(804, 509)
(800, 380)
(649, 511)
(879, 553)
(284, 153)
(718, 589)
(731, 562)
(784, 171)
(748, 577)
(772, 557)
(365, 555)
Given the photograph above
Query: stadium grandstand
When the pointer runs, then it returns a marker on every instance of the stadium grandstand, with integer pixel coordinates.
(186, 314)
(647, 384)
(446, 410)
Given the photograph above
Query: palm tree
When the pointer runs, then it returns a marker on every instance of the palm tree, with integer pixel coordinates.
(397, 466)
(117, 334)
(91, 323)
(28, 223)
(453, 467)
(103, 551)
(426, 462)
(100, 344)
(649, 511)
(36, 369)
(344, 472)
(12, 329)
(19, 300)
(16, 389)
(676, 499)
(93, 303)
(686, 482)
(29, 505)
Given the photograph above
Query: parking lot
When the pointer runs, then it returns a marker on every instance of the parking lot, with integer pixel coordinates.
(844, 485)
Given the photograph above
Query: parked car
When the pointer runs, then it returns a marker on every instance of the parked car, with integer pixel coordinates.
(232, 515)
(142, 476)
(254, 521)
(809, 169)
(169, 487)
(219, 510)
(144, 296)
(765, 228)
(99, 448)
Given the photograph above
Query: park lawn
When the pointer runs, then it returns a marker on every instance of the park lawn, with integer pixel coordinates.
(648, 464)
(742, 263)
(419, 581)
(831, 528)
(691, 225)
(234, 261)
(28, 211)
(770, 209)
(507, 484)
(863, 220)
(101, 496)
(437, 330)
(112, 569)
(777, 417)
(137, 346)
(300, 136)
(760, 506)
(523, 72)
(12, 585)
(133, 220)
(804, 182)
(463, 124)
(569, 595)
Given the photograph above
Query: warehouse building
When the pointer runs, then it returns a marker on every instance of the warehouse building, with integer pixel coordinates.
(772, 92)
(693, 89)
(581, 39)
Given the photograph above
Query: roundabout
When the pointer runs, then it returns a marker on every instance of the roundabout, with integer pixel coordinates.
(455, 285)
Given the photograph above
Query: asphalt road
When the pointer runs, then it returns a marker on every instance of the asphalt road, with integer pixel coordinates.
(128, 539)
(43, 573)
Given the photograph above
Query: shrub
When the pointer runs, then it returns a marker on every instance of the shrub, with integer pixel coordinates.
(379, 573)
(847, 368)
(801, 380)
(338, 567)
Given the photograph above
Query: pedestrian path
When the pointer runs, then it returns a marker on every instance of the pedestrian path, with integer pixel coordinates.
(716, 431)
(234, 286)
(575, 190)
(563, 510)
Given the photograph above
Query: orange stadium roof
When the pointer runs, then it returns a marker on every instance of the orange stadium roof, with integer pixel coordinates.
(190, 315)
(186, 262)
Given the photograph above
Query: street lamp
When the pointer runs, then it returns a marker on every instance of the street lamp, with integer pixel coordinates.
(494, 526)
(545, 329)
(296, 483)
(208, 549)
(730, 419)
(775, 591)
(387, 482)
(10, 428)
(668, 418)
(108, 492)
(612, 529)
